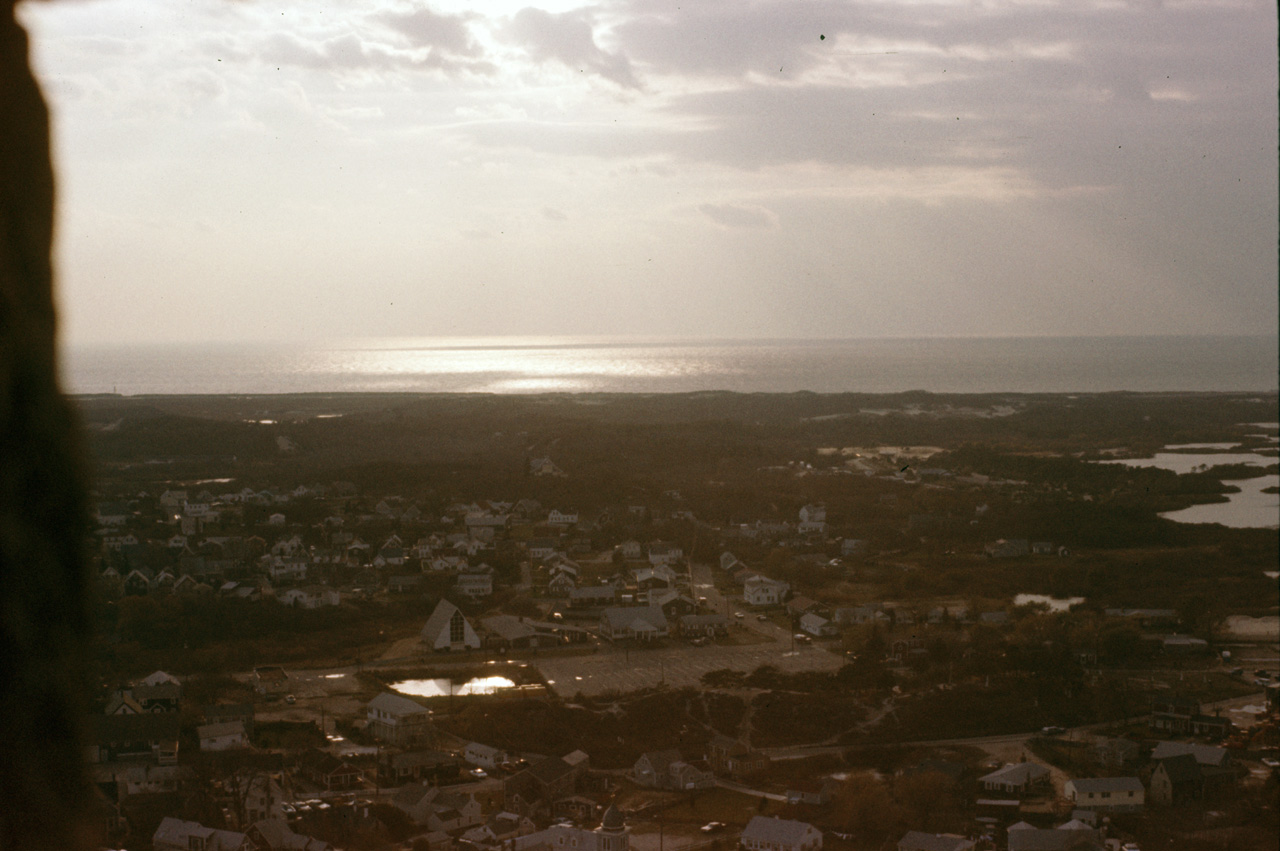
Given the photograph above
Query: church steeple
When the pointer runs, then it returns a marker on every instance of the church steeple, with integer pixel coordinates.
(613, 831)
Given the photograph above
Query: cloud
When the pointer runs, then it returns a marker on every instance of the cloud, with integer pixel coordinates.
(739, 216)
(569, 38)
(554, 215)
(423, 27)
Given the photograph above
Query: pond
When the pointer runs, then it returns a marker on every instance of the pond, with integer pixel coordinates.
(444, 687)
(1055, 604)
(1250, 508)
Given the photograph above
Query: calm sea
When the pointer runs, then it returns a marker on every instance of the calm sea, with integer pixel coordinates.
(529, 365)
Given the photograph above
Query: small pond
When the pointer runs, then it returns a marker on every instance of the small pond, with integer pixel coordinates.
(443, 687)
(1055, 604)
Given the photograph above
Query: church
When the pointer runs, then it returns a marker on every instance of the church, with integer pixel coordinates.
(612, 835)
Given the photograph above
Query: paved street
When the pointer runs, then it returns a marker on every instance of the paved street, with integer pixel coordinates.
(677, 664)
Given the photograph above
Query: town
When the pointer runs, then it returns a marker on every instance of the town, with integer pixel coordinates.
(892, 622)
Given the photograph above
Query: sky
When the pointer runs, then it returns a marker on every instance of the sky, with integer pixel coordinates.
(304, 171)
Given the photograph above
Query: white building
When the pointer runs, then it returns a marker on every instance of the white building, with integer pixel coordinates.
(775, 834)
(447, 629)
(763, 591)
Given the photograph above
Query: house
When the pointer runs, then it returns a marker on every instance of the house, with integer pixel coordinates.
(561, 584)
(475, 584)
(764, 833)
(1208, 756)
(484, 755)
(499, 828)
(276, 835)
(1012, 548)
(310, 597)
(631, 550)
(542, 784)
(592, 596)
(818, 626)
(733, 757)
(643, 623)
(852, 546)
(612, 835)
(562, 518)
(178, 835)
(800, 604)
(656, 576)
(1176, 779)
(709, 625)
(664, 552)
(1115, 753)
(1017, 778)
(242, 712)
(435, 767)
(1116, 794)
(674, 605)
(448, 630)
(763, 591)
(149, 735)
(329, 772)
(438, 809)
(667, 770)
(259, 795)
(222, 736)
(399, 721)
(917, 841)
(270, 679)
(813, 792)
(1072, 836)
(1217, 769)
(858, 615)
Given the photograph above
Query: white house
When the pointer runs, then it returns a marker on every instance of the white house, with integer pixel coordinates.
(483, 755)
(476, 584)
(310, 597)
(818, 626)
(641, 622)
(1118, 794)
(663, 552)
(763, 591)
(763, 833)
(447, 629)
(224, 736)
(1017, 777)
(178, 835)
(399, 720)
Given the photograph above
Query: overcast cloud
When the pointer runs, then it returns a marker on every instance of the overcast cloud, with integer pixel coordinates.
(276, 170)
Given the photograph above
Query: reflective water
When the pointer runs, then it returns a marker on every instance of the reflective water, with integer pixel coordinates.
(1055, 604)
(597, 365)
(1250, 508)
(443, 687)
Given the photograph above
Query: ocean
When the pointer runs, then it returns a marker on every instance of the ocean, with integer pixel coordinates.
(594, 365)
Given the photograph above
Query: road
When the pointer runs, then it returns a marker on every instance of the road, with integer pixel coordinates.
(623, 669)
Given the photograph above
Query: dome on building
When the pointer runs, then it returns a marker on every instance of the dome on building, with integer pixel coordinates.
(612, 819)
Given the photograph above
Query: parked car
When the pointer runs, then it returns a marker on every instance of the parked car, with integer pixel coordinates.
(1052, 731)
(290, 699)
(478, 773)
(762, 617)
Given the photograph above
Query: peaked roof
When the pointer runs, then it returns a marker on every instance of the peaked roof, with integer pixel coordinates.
(439, 620)
(396, 705)
(1204, 754)
(918, 841)
(1107, 784)
(1018, 772)
(777, 830)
